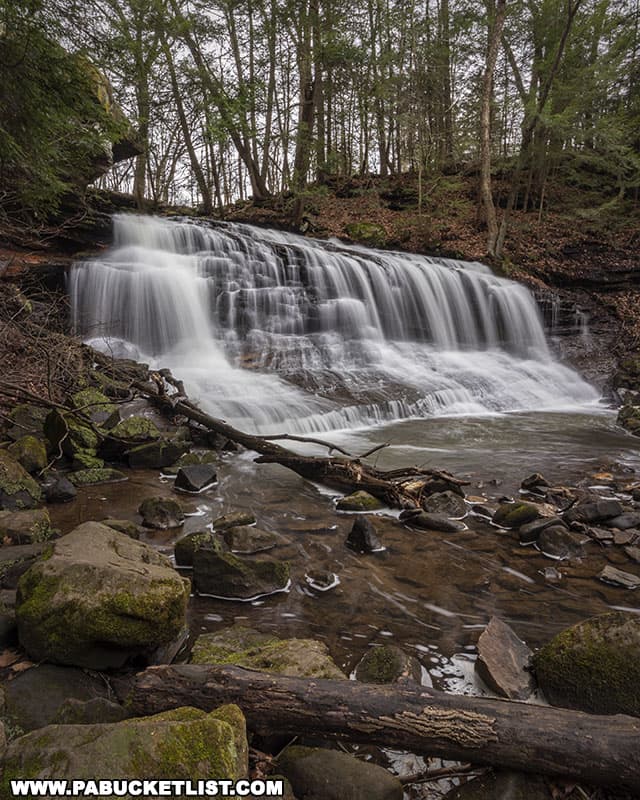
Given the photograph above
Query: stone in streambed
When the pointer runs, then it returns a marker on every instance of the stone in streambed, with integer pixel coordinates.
(195, 478)
(59, 489)
(156, 454)
(363, 537)
(447, 503)
(89, 477)
(185, 547)
(358, 501)
(529, 533)
(30, 452)
(99, 599)
(623, 522)
(233, 519)
(125, 526)
(18, 490)
(557, 542)
(533, 482)
(248, 648)
(16, 560)
(503, 660)
(189, 459)
(515, 515)
(594, 510)
(388, 664)
(594, 666)
(25, 527)
(618, 577)
(247, 540)
(431, 522)
(161, 513)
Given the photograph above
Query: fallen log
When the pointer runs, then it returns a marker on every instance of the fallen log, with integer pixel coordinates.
(599, 750)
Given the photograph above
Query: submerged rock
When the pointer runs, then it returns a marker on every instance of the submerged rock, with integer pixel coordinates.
(363, 537)
(431, 522)
(99, 599)
(195, 478)
(533, 482)
(594, 510)
(246, 540)
(630, 519)
(618, 577)
(557, 542)
(18, 490)
(161, 513)
(88, 477)
(529, 533)
(594, 666)
(503, 660)
(358, 501)
(388, 664)
(245, 647)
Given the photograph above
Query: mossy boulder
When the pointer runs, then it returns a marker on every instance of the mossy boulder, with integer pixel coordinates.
(93, 404)
(191, 459)
(81, 438)
(156, 454)
(185, 547)
(18, 490)
(26, 420)
(30, 452)
(100, 599)
(359, 501)
(369, 233)
(87, 477)
(25, 527)
(218, 572)
(161, 513)
(245, 647)
(594, 666)
(86, 459)
(136, 429)
(186, 744)
(388, 664)
(513, 515)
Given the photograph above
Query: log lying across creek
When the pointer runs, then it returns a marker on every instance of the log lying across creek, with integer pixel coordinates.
(599, 750)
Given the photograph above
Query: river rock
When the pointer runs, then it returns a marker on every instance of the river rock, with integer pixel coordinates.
(358, 501)
(246, 540)
(90, 477)
(557, 542)
(331, 775)
(100, 599)
(26, 420)
(529, 533)
(447, 503)
(245, 647)
(185, 743)
(431, 522)
(16, 560)
(594, 510)
(189, 459)
(195, 478)
(186, 546)
(218, 572)
(93, 404)
(533, 482)
(161, 513)
(30, 452)
(630, 519)
(127, 434)
(388, 664)
(25, 527)
(502, 785)
(363, 537)
(125, 526)
(18, 490)
(233, 519)
(89, 712)
(503, 661)
(59, 489)
(34, 698)
(629, 417)
(633, 553)
(618, 577)
(514, 515)
(594, 666)
(156, 454)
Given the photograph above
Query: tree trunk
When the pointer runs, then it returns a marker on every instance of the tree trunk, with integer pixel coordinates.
(593, 749)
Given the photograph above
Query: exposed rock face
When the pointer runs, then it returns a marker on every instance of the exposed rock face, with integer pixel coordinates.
(18, 490)
(594, 666)
(245, 647)
(99, 599)
(502, 662)
(184, 744)
(388, 664)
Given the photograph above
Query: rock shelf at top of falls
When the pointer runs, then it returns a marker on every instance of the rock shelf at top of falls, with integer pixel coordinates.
(269, 329)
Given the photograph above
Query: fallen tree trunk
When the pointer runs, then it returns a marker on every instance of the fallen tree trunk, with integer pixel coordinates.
(550, 741)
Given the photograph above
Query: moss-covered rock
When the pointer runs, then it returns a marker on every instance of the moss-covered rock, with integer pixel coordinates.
(156, 454)
(26, 420)
(136, 429)
(100, 599)
(513, 515)
(87, 477)
(233, 519)
(30, 452)
(25, 527)
(18, 490)
(81, 438)
(245, 647)
(388, 664)
(86, 459)
(93, 404)
(629, 418)
(161, 513)
(186, 744)
(369, 233)
(594, 666)
(359, 501)
(191, 459)
(185, 547)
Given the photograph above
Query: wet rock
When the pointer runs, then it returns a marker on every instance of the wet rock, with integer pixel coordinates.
(99, 599)
(89, 477)
(431, 522)
(157, 454)
(125, 526)
(363, 537)
(34, 698)
(25, 527)
(358, 501)
(93, 404)
(26, 420)
(618, 577)
(447, 503)
(15, 561)
(195, 478)
(86, 460)
(596, 510)
(332, 775)
(594, 666)
(232, 520)
(185, 743)
(633, 553)
(502, 786)
(59, 489)
(245, 647)
(30, 452)
(623, 522)
(218, 572)
(534, 482)
(514, 515)
(126, 435)
(529, 533)
(625, 537)
(388, 664)
(503, 661)
(321, 579)
(629, 417)
(246, 540)
(601, 534)
(89, 712)
(161, 513)
(185, 547)
(557, 542)
(18, 490)
(190, 459)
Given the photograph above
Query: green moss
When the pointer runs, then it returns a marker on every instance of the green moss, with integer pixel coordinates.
(80, 438)
(86, 460)
(513, 515)
(137, 429)
(30, 452)
(90, 400)
(17, 488)
(186, 547)
(368, 233)
(381, 666)
(85, 477)
(359, 501)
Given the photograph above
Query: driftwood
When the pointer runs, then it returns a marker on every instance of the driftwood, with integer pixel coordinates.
(592, 749)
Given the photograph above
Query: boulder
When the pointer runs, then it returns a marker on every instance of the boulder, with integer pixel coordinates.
(125, 526)
(189, 459)
(185, 743)
(127, 434)
(448, 503)
(363, 537)
(557, 542)
(25, 527)
(246, 540)
(26, 419)
(16, 560)
(331, 775)
(596, 509)
(431, 522)
(358, 501)
(100, 599)
(157, 454)
(388, 664)
(89, 477)
(185, 547)
(86, 460)
(93, 404)
(195, 478)
(245, 647)
(218, 572)
(18, 490)
(594, 666)
(59, 489)
(503, 661)
(89, 712)
(30, 452)
(514, 515)
(161, 513)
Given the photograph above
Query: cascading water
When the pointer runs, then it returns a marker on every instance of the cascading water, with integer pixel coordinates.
(271, 330)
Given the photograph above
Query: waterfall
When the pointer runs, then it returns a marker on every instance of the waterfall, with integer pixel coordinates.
(274, 331)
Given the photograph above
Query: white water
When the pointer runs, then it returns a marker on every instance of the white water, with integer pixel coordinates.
(274, 331)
